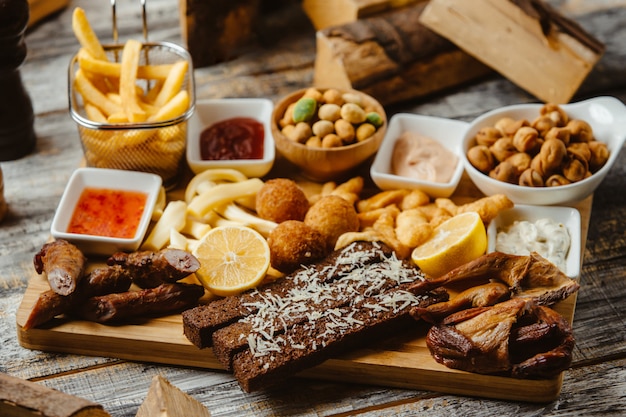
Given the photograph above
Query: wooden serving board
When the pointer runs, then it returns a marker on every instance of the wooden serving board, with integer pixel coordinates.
(402, 361)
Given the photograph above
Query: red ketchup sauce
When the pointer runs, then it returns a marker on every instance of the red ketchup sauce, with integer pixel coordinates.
(235, 138)
(110, 213)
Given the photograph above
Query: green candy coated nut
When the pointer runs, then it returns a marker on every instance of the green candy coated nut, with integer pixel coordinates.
(304, 109)
(375, 119)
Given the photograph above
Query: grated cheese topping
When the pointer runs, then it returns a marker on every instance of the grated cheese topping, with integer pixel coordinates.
(327, 302)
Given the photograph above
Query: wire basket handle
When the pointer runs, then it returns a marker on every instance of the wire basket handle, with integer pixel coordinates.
(144, 17)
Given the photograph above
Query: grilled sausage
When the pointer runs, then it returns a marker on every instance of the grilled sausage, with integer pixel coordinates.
(166, 298)
(105, 280)
(63, 263)
(151, 269)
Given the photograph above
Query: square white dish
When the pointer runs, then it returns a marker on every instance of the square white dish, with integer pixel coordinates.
(210, 111)
(568, 216)
(448, 132)
(110, 179)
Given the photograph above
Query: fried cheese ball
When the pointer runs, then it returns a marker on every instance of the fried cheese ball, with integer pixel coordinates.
(332, 216)
(281, 199)
(293, 243)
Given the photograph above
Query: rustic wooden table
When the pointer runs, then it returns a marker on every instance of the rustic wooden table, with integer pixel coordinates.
(596, 383)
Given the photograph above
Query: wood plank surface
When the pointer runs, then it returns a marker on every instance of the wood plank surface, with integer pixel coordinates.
(280, 63)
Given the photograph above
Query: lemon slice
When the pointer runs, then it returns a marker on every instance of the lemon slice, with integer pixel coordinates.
(453, 243)
(232, 259)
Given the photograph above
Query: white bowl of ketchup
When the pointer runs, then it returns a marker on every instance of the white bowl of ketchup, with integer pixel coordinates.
(231, 133)
(103, 211)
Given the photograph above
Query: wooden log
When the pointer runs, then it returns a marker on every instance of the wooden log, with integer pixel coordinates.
(216, 31)
(165, 400)
(325, 13)
(391, 57)
(21, 398)
(527, 41)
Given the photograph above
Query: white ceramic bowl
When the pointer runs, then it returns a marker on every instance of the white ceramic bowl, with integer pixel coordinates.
(607, 117)
(211, 111)
(448, 132)
(568, 216)
(111, 179)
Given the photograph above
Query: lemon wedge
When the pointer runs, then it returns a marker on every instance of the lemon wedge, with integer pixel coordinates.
(453, 243)
(232, 259)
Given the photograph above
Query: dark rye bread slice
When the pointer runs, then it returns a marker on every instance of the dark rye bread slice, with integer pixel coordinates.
(351, 289)
(201, 322)
(310, 344)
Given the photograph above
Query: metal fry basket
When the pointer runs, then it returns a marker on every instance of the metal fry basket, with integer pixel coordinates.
(155, 147)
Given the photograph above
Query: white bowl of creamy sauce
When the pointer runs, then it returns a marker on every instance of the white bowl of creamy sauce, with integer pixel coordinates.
(553, 232)
(420, 152)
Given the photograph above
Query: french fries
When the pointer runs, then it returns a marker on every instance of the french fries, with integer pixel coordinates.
(125, 93)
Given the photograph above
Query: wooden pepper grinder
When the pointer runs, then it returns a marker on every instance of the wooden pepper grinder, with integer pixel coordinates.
(17, 134)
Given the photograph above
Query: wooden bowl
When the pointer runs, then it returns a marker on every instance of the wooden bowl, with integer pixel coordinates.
(326, 164)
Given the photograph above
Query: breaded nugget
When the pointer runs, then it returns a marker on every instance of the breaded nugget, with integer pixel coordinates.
(488, 207)
(281, 199)
(382, 199)
(413, 228)
(332, 216)
(293, 243)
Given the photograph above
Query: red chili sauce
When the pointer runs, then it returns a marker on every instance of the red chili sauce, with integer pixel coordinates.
(110, 213)
(235, 138)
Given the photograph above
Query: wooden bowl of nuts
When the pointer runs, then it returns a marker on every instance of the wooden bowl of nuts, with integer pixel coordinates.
(545, 154)
(328, 133)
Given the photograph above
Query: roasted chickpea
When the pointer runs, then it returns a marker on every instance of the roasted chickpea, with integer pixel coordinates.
(300, 133)
(353, 98)
(365, 131)
(314, 142)
(331, 141)
(322, 128)
(287, 118)
(353, 113)
(345, 130)
(329, 111)
(313, 93)
(332, 96)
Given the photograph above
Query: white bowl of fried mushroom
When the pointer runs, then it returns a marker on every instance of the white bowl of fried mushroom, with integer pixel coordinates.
(420, 152)
(327, 133)
(545, 154)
